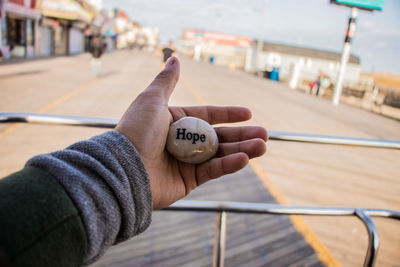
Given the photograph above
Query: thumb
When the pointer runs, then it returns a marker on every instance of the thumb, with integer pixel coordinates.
(164, 83)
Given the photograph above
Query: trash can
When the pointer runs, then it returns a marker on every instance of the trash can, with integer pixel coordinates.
(212, 59)
(274, 76)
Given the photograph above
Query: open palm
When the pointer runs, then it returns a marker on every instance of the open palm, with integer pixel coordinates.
(146, 124)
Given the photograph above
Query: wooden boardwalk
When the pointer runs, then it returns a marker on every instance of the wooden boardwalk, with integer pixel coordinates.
(186, 238)
(298, 174)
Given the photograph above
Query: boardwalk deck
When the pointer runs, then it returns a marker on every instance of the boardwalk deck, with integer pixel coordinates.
(186, 238)
(304, 174)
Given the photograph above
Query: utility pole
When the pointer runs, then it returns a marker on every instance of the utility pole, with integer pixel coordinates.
(345, 55)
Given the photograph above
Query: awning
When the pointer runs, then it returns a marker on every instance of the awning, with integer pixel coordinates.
(22, 11)
(65, 9)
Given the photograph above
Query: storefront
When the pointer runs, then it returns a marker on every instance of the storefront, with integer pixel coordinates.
(48, 27)
(69, 20)
(19, 26)
(76, 38)
(61, 38)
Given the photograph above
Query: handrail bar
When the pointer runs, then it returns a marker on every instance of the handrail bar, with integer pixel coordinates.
(222, 207)
(6, 117)
(373, 238)
(27, 117)
(271, 208)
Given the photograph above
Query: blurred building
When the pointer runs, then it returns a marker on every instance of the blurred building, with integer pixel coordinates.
(132, 34)
(18, 23)
(47, 27)
(299, 63)
(219, 48)
(108, 30)
(150, 37)
(98, 4)
(95, 26)
(62, 26)
(31, 28)
(121, 25)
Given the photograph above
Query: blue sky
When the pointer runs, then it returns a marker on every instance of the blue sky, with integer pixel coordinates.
(310, 23)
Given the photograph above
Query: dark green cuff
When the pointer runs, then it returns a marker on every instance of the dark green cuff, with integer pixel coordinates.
(39, 224)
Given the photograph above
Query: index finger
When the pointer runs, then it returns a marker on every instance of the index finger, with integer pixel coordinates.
(212, 114)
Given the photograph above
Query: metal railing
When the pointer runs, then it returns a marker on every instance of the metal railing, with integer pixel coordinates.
(221, 208)
(273, 135)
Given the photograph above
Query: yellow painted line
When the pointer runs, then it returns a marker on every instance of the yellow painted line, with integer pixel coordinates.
(67, 96)
(9, 129)
(191, 89)
(279, 197)
(322, 252)
(53, 104)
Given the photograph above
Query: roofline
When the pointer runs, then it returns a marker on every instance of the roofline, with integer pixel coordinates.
(353, 58)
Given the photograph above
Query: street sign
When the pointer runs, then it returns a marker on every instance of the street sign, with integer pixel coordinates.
(363, 4)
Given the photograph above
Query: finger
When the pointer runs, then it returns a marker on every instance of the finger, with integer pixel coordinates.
(253, 148)
(164, 83)
(213, 114)
(236, 134)
(220, 166)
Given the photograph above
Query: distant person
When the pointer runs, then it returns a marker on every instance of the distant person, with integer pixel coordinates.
(325, 82)
(167, 53)
(321, 83)
(312, 86)
(315, 86)
(318, 85)
(96, 49)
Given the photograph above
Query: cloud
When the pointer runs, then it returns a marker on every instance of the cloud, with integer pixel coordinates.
(313, 23)
(371, 27)
(382, 44)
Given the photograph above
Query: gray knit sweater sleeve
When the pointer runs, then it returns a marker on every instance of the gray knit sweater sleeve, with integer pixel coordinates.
(106, 179)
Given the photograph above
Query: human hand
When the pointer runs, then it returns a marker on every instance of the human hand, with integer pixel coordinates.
(146, 124)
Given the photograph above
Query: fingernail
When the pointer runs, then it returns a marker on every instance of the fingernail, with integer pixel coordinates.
(171, 61)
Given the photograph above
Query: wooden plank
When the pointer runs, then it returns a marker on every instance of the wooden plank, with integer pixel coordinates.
(186, 238)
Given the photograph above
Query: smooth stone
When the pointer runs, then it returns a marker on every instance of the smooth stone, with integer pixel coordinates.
(192, 140)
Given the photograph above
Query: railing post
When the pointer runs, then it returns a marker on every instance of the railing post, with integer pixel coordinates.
(219, 239)
(373, 238)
